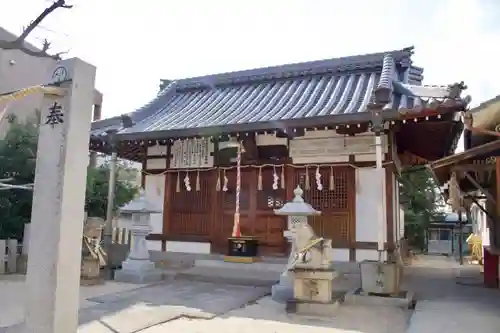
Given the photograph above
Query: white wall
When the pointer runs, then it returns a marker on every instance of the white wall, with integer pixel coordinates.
(401, 219)
(369, 196)
(395, 209)
(155, 192)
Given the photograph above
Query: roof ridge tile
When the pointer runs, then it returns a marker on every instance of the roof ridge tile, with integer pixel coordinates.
(332, 65)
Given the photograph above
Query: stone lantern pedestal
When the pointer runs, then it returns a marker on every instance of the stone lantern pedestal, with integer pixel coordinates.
(138, 268)
(309, 266)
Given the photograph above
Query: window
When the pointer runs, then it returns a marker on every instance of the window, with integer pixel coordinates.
(439, 235)
(444, 235)
(434, 235)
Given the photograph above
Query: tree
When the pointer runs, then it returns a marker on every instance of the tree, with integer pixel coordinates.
(97, 189)
(20, 42)
(17, 161)
(422, 201)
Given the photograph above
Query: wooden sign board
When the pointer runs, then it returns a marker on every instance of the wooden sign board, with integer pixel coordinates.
(192, 153)
(334, 146)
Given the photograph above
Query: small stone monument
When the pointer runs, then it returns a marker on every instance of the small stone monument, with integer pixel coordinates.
(22, 260)
(137, 268)
(308, 274)
(92, 253)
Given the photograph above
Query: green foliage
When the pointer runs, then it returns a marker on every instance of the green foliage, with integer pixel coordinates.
(97, 189)
(17, 161)
(422, 201)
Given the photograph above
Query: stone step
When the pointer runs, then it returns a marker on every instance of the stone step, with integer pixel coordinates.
(229, 276)
(261, 266)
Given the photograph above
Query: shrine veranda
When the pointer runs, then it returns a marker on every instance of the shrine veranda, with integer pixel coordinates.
(311, 124)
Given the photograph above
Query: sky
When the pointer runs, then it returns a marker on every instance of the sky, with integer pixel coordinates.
(134, 44)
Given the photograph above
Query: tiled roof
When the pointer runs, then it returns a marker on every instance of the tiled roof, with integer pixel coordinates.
(275, 95)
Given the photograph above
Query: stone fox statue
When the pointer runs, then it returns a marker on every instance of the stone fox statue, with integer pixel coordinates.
(309, 250)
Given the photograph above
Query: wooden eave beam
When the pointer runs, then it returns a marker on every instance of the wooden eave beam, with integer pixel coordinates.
(479, 187)
(468, 154)
(472, 167)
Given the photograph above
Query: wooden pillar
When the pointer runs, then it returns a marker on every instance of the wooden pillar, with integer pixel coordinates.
(490, 259)
(217, 211)
(352, 193)
(491, 264)
(167, 201)
(389, 193)
(252, 193)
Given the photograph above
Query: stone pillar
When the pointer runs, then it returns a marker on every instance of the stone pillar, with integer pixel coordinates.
(53, 278)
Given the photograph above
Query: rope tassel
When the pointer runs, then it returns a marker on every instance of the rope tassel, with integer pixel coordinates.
(178, 183)
(307, 186)
(319, 185)
(259, 180)
(187, 182)
(331, 184)
(226, 181)
(275, 179)
(197, 186)
(217, 185)
(282, 181)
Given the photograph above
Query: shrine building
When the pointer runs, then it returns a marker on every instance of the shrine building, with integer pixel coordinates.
(472, 182)
(307, 124)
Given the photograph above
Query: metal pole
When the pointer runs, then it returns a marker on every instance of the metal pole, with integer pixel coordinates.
(460, 237)
(108, 227)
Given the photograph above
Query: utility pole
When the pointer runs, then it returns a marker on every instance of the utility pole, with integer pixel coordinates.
(460, 237)
(108, 227)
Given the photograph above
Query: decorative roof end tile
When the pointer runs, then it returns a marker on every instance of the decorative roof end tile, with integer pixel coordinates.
(383, 93)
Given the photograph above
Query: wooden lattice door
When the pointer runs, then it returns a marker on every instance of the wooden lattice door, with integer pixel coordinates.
(336, 202)
(268, 226)
(191, 211)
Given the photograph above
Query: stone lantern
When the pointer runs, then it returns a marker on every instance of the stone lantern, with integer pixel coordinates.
(138, 268)
(297, 212)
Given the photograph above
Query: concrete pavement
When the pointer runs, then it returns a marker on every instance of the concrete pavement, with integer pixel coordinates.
(195, 306)
(444, 305)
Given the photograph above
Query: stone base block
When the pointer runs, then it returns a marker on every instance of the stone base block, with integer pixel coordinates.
(404, 299)
(139, 277)
(312, 308)
(313, 285)
(91, 282)
(241, 260)
(90, 269)
(282, 293)
(22, 264)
